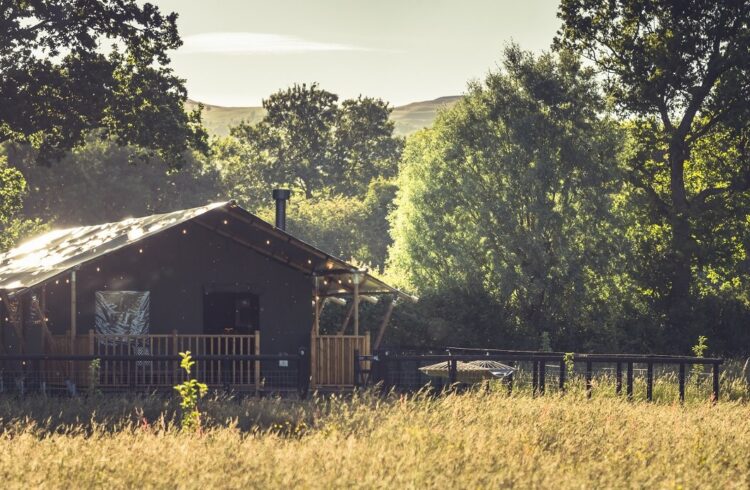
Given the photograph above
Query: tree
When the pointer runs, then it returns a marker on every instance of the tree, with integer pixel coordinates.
(680, 73)
(12, 192)
(310, 143)
(69, 67)
(507, 198)
(98, 182)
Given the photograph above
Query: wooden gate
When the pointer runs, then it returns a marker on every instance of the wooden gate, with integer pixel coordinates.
(332, 359)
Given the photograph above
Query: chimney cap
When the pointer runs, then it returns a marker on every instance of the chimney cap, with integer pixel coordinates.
(281, 194)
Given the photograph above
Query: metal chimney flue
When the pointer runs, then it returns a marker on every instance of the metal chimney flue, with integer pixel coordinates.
(281, 196)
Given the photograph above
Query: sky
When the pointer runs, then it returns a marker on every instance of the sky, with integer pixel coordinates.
(237, 52)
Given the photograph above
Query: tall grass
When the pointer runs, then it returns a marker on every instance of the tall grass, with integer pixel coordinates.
(475, 439)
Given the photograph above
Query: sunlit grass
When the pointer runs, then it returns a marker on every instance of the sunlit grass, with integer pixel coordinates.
(473, 439)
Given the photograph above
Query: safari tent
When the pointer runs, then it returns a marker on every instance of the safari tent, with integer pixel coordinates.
(216, 280)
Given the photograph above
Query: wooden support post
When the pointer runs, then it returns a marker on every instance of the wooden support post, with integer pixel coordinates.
(629, 380)
(356, 303)
(715, 394)
(563, 368)
(347, 318)
(542, 376)
(384, 323)
(682, 382)
(589, 377)
(313, 359)
(618, 379)
(534, 377)
(257, 362)
(650, 381)
(91, 341)
(73, 311)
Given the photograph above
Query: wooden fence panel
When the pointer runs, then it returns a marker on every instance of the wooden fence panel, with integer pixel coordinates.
(333, 358)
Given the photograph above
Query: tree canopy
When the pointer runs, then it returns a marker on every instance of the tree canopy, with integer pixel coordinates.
(311, 143)
(70, 67)
(507, 198)
(679, 72)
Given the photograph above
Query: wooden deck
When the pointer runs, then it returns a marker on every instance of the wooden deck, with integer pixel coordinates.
(241, 375)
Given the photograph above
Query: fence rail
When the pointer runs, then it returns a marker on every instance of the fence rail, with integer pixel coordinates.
(402, 371)
(25, 373)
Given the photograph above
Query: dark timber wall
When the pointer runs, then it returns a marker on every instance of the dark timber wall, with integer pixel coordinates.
(177, 268)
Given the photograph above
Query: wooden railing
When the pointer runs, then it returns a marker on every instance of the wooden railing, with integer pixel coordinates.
(242, 374)
(332, 358)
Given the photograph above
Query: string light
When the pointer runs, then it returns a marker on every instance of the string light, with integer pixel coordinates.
(98, 269)
(309, 261)
(67, 281)
(226, 222)
(268, 242)
(57, 281)
(184, 231)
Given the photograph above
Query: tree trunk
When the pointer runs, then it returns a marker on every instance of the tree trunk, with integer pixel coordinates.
(682, 243)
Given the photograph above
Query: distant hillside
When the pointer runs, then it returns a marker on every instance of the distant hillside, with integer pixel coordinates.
(408, 118)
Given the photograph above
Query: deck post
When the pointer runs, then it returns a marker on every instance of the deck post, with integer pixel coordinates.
(589, 376)
(73, 311)
(630, 381)
(650, 381)
(563, 367)
(256, 346)
(534, 377)
(618, 379)
(452, 370)
(356, 303)
(313, 359)
(91, 341)
(715, 394)
(682, 382)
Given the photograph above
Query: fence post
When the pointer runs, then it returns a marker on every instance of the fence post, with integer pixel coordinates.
(534, 377)
(589, 375)
(452, 370)
(715, 394)
(682, 382)
(357, 368)
(650, 381)
(630, 381)
(542, 376)
(302, 373)
(618, 379)
(510, 383)
(563, 368)
(175, 353)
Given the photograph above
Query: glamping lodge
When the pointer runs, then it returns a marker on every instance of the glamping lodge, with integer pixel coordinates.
(215, 280)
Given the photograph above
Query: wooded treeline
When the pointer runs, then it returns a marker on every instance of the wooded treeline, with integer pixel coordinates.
(594, 197)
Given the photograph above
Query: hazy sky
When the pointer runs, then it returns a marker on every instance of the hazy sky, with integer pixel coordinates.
(237, 52)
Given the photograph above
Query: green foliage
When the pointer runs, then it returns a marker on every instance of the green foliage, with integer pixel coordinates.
(508, 198)
(310, 143)
(13, 190)
(545, 344)
(102, 182)
(190, 391)
(73, 66)
(569, 360)
(679, 72)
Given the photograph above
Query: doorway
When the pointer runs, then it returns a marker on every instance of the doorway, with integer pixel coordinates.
(230, 313)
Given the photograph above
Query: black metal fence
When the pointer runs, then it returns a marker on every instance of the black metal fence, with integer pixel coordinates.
(74, 374)
(402, 372)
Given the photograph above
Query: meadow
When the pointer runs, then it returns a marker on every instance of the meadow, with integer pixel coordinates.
(471, 439)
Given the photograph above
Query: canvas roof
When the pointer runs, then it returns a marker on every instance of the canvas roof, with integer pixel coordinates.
(45, 257)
